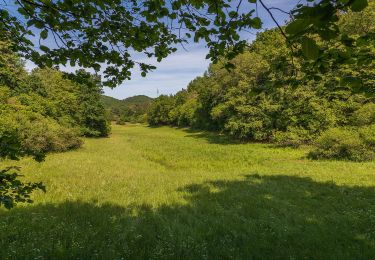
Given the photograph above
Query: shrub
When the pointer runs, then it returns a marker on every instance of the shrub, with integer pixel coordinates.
(4, 94)
(97, 126)
(23, 132)
(344, 144)
(42, 135)
(364, 115)
(367, 134)
(10, 138)
(292, 137)
(159, 111)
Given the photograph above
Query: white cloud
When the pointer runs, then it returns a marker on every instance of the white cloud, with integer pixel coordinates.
(171, 75)
(176, 71)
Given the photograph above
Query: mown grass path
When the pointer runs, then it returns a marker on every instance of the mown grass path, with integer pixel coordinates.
(152, 193)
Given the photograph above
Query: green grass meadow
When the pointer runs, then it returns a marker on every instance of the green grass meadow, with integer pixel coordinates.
(164, 193)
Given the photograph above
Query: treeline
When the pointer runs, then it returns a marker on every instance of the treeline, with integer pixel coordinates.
(275, 94)
(133, 109)
(46, 110)
(40, 112)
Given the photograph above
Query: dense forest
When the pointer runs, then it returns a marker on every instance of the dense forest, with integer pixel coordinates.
(276, 94)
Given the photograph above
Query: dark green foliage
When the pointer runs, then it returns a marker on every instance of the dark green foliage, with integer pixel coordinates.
(109, 102)
(41, 112)
(346, 144)
(23, 132)
(72, 99)
(10, 138)
(92, 33)
(364, 115)
(159, 112)
(133, 109)
(136, 100)
(259, 100)
(274, 94)
(13, 191)
(42, 135)
(92, 117)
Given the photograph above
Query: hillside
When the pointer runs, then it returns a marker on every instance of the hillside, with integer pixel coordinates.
(136, 100)
(110, 102)
(131, 109)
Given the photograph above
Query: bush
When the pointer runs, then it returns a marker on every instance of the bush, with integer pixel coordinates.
(42, 135)
(292, 137)
(365, 115)
(96, 127)
(23, 132)
(160, 110)
(367, 134)
(10, 138)
(345, 144)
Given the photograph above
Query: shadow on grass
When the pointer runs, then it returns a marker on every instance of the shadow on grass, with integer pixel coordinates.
(277, 217)
(211, 137)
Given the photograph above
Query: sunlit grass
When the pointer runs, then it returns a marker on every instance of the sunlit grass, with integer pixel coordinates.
(169, 193)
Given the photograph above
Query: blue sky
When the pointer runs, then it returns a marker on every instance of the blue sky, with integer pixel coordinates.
(176, 71)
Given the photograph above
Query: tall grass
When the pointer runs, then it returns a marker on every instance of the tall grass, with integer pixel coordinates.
(169, 193)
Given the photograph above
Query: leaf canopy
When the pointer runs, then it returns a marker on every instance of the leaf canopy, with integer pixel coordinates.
(106, 35)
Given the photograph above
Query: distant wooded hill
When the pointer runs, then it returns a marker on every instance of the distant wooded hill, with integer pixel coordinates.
(135, 100)
(132, 109)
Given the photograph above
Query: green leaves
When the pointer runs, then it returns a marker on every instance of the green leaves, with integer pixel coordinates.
(44, 34)
(310, 49)
(113, 32)
(44, 48)
(297, 26)
(13, 191)
(358, 5)
(353, 82)
(257, 23)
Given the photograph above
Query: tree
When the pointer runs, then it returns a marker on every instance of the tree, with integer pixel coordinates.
(105, 34)
(92, 118)
(160, 110)
(40, 112)
(274, 94)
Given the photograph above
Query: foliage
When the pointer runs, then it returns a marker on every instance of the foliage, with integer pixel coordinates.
(12, 72)
(10, 139)
(159, 112)
(73, 99)
(41, 136)
(23, 132)
(262, 100)
(109, 32)
(133, 109)
(367, 134)
(274, 94)
(150, 193)
(347, 144)
(365, 115)
(12, 190)
(40, 112)
(92, 115)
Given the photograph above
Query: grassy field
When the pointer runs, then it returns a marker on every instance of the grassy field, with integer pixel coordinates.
(151, 193)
